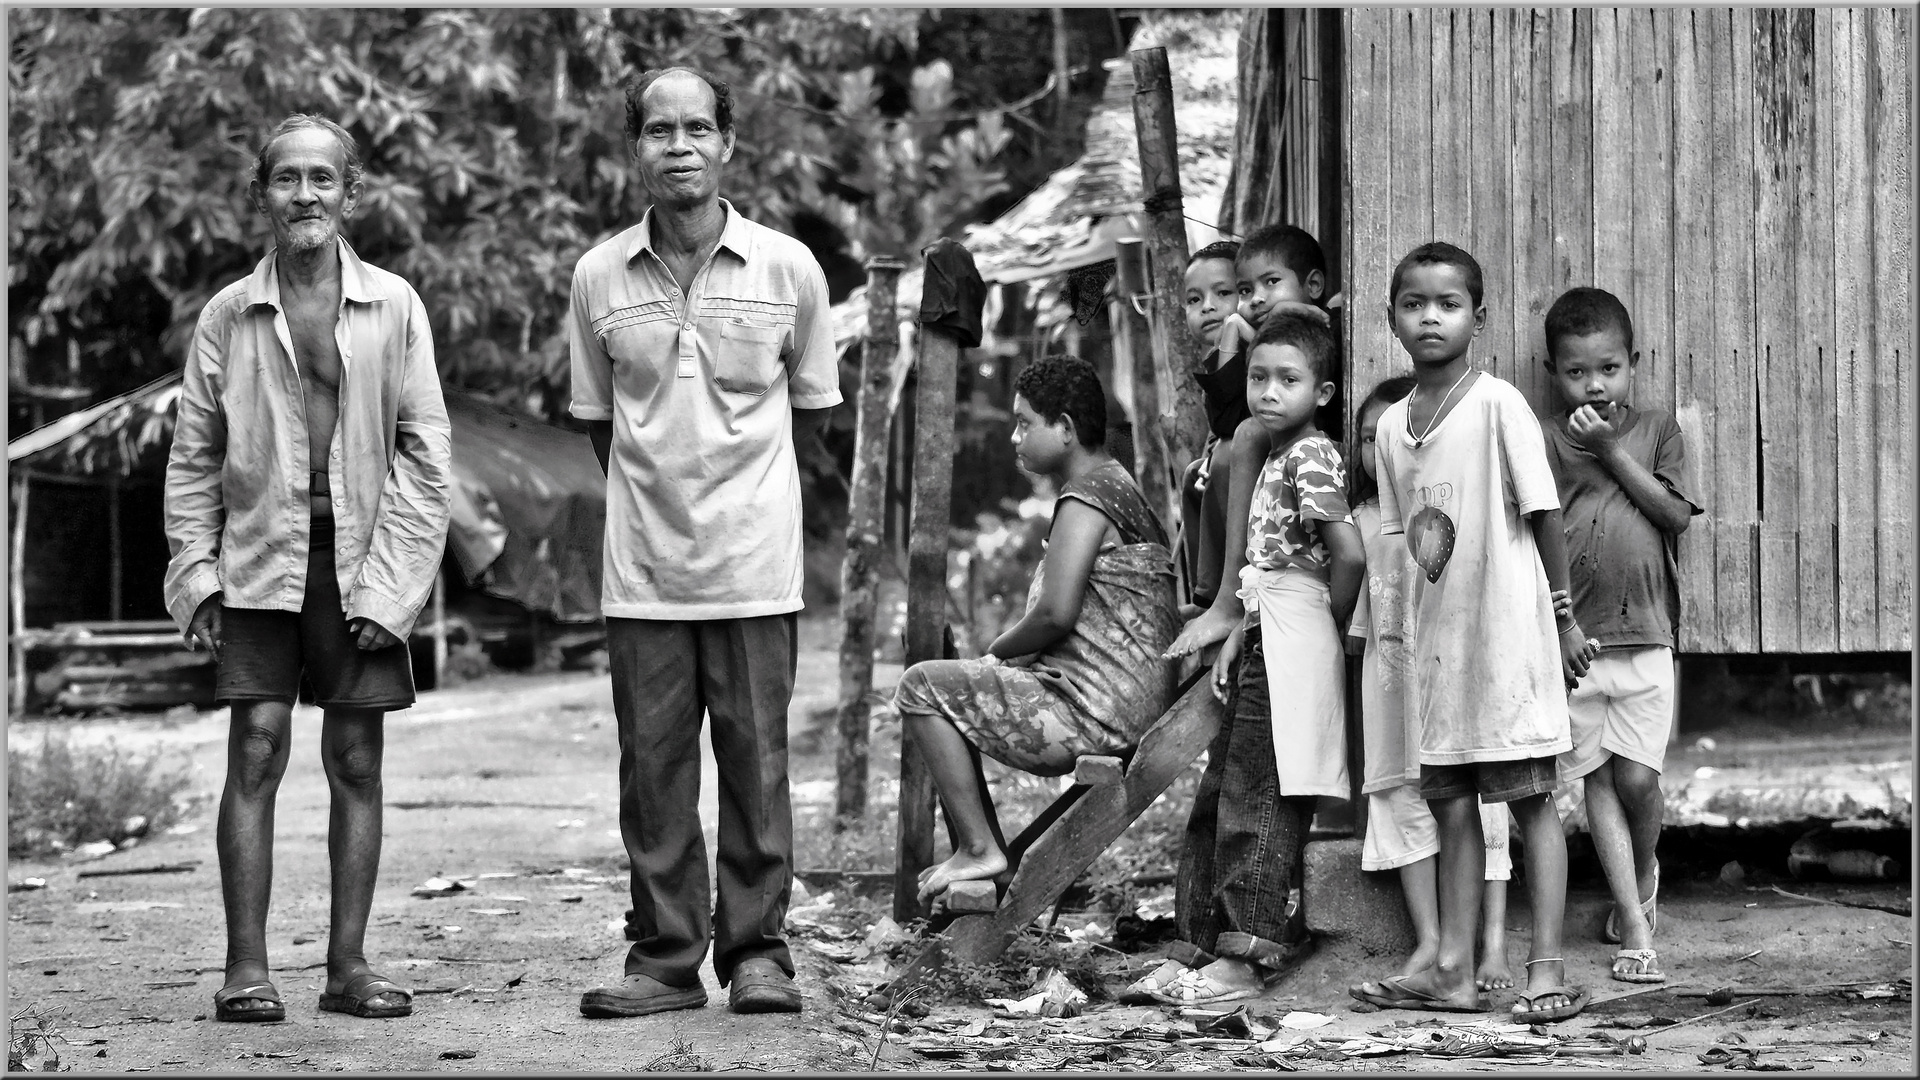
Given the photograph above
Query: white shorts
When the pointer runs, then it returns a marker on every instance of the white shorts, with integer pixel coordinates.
(1401, 830)
(1624, 706)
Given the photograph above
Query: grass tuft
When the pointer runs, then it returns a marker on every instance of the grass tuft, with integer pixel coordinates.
(60, 795)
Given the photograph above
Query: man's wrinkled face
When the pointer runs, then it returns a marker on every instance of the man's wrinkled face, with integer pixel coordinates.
(306, 195)
(681, 149)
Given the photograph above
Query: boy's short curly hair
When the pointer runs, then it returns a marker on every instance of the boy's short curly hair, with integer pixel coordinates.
(1586, 310)
(637, 89)
(1057, 386)
(1313, 338)
(1295, 247)
(1439, 253)
(1219, 249)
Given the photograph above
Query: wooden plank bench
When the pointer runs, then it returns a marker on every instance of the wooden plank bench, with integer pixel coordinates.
(1063, 840)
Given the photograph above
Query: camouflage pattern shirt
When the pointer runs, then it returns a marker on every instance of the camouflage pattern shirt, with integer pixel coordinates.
(1299, 487)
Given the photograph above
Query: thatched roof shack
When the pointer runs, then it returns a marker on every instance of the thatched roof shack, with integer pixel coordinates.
(529, 501)
(1740, 177)
(1071, 221)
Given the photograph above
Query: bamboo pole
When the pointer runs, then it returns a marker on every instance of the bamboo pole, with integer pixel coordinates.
(859, 572)
(1183, 422)
(17, 596)
(938, 362)
(1136, 338)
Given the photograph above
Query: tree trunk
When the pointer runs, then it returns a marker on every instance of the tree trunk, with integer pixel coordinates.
(17, 594)
(1182, 419)
(859, 573)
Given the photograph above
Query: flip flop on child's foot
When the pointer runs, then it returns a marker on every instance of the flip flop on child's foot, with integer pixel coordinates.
(1638, 966)
(1141, 990)
(1532, 1013)
(1394, 993)
(371, 997)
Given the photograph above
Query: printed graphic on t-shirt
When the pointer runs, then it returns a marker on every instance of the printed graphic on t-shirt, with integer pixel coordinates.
(1430, 534)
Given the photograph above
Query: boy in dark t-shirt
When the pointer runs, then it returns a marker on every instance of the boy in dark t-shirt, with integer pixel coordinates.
(1619, 470)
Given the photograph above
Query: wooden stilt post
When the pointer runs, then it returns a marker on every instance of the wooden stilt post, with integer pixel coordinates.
(440, 628)
(17, 596)
(866, 526)
(1182, 418)
(938, 363)
(115, 578)
(1132, 293)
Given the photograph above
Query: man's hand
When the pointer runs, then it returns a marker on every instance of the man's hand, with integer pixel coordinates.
(369, 635)
(204, 630)
(1593, 434)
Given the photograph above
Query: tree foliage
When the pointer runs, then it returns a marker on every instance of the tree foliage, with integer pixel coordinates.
(493, 150)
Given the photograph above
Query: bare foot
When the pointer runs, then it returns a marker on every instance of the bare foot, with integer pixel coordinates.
(1209, 627)
(1422, 958)
(962, 866)
(1493, 973)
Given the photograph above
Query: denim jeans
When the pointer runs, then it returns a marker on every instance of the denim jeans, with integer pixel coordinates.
(1245, 842)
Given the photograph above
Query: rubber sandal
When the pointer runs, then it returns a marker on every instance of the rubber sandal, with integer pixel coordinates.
(1197, 988)
(1394, 993)
(1643, 971)
(1141, 990)
(225, 998)
(357, 998)
(1576, 996)
(1650, 907)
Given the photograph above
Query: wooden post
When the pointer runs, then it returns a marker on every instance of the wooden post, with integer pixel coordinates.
(1062, 88)
(114, 576)
(938, 361)
(1183, 421)
(440, 628)
(865, 540)
(17, 595)
(1132, 293)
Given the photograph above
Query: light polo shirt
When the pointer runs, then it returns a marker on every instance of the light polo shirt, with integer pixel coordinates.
(703, 488)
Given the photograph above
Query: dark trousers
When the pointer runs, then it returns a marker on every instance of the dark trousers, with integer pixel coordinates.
(1245, 841)
(739, 672)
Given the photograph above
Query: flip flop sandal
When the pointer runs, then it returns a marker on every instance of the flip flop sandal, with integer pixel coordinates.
(357, 998)
(1196, 987)
(1643, 970)
(1394, 993)
(1649, 907)
(1141, 990)
(226, 998)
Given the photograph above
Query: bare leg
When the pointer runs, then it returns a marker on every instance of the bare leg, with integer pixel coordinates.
(1636, 790)
(352, 745)
(949, 760)
(1493, 973)
(257, 749)
(1462, 870)
(1547, 892)
(1417, 882)
(1613, 843)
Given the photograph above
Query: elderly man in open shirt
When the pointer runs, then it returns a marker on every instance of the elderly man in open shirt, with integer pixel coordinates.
(306, 511)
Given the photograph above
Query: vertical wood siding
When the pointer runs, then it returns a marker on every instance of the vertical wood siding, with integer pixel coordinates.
(1740, 178)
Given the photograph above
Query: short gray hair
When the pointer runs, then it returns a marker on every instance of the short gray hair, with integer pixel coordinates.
(297, 121)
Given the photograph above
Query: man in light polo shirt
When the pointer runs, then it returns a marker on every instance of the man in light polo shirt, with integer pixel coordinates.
(702, 351)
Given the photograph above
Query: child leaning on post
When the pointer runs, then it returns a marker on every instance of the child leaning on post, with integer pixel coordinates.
(1246, 834)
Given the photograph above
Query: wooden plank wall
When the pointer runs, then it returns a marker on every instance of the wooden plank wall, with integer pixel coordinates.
(1283, 127)
(1740, 178)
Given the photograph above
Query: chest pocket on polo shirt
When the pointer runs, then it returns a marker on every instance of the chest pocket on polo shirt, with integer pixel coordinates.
(748, 357)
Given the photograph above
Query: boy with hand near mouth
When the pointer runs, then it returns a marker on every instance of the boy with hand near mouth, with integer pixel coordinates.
(1620, 475)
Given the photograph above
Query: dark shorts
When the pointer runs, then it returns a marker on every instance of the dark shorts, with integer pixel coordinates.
(1493, 781)
(263, 653)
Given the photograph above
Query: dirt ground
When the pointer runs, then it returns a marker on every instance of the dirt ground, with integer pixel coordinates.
(510, 783)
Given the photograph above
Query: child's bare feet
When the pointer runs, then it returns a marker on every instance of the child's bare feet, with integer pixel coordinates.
(962, 865)
(1210, 626)
(1493, 973)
